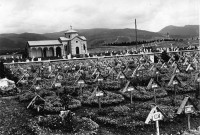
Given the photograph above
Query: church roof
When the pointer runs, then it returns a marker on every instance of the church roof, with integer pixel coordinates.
(44, 43)
(71, 31)
(82, 37)
(63, 39)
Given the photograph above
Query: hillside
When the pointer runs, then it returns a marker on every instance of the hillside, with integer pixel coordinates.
(18, 41)
(95, 37)
(186, 31)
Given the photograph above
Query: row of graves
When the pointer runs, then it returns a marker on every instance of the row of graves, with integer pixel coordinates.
(126, 92)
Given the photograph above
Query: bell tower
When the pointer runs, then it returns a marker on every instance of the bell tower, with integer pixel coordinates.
(71, 33)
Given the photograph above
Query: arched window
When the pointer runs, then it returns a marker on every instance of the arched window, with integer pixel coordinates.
(65, 47)
(77, 50)
(58, 51)
(84, 46)
(69, 36)
(66, 50)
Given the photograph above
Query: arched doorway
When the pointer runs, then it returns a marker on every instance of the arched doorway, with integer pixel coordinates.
(33, 52)
(58, 51)
(45, 52)
(84, 46)
(50, 52)
(39, 52)
(66, 50)
(77, 50)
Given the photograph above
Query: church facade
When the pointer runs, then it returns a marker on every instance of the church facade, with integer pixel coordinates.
(71, 43)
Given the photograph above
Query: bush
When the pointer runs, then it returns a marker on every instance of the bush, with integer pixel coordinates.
(27, 96)
(53, 124)
(108, 99)
(86, 124)
(74, 103)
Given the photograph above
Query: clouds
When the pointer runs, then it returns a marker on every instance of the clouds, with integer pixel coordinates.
(41, 16)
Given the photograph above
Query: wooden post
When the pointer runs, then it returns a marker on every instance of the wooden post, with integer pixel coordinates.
(157, 77)
(189, 122)
(81, 90)
(136, 33)
(175, 93)
(142, 77)
(154, 90)
(134, 107)
(99, 102)
(39, 72)
(131, 97)
(157, 128)
(197, 91)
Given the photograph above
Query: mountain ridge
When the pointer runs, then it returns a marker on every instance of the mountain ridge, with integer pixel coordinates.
(98, 36)
(95, 37)
(184, 31)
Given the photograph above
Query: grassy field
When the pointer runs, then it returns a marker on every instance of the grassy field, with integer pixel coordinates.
(14, 120)
(117, 116)
(163, 44)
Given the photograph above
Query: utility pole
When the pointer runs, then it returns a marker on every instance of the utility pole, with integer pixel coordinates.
(136, 33)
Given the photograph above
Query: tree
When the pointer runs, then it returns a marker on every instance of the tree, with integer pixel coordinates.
(165, 56)
(2, 70)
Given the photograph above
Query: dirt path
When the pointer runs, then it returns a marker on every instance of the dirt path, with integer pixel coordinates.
(13, 118)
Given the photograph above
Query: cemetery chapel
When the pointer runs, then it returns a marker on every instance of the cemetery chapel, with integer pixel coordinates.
(70, 44)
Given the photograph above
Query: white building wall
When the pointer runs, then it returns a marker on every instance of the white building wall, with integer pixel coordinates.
(71, 47)
(77, 42)
(65, 44)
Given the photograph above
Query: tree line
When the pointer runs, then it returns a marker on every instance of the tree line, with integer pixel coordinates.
(139, 42)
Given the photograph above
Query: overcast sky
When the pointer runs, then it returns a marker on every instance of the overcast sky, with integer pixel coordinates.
(42, 16)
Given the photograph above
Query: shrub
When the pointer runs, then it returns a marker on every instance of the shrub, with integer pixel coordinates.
(74, 103)
(108, 99)
(27, 96)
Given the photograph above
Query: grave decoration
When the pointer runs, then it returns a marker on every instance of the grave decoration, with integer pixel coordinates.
(98, 93)
(128, 88)
(57, 80)
(153, 84)
(176, 69)
(34, 100)
(141, 69)
(174, 81)
(156, 114)
(186, 62)
(170, 61)
(164, 66)
(174, 64)
(190, 68)
(135, 71)
(34, 81)
(159, 62)
(23, 80)
(188, 107)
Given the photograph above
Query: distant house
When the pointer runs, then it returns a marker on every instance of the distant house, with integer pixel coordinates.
(72, 43)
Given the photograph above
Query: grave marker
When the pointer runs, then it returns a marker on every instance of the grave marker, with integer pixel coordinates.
(155, 114)
(188, 107)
